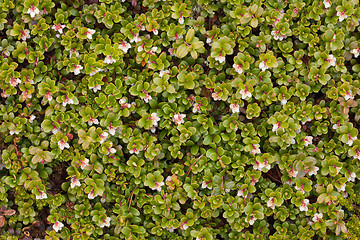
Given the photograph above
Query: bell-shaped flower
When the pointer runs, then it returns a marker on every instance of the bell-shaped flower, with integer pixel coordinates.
(77, 69)
(91, 194)
(220, 58)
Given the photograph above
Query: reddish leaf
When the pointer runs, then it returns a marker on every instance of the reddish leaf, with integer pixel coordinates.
(2, 221)
(9, 212)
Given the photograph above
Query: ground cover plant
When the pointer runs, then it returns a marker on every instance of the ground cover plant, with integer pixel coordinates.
(179, 119)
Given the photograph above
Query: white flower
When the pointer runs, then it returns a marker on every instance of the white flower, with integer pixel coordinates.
(172, 51)
(140, 48)
(135, 39)
(124, 46)
(89, 33)
(252, 220)
(301, 189)
(241, 192)
(179, 118)
(95, 88)
(84, 163)
(103, 137)
(342, 188)
(155, 31)
(134, 150)
(93, 121)
(255, 149)
(205, 185)
(106, 222)
(33, 11)
(245, 93)
(235, 108)
(238, 68)
(277, 36)
(338, 169)
(352, 177)
(317, 217)
(102, 200)
(216, 96)
(351, 140)
(181, 20)
(292, 173)
(14, 81)
(327, 3)
(357, 155)
(147, 97)
(271, 203)
(41, 196)
(185, 226)
(63, 144)
(348, 95)
(91, 195)
(109, 60)
(77, 69)
(32, 118)
(59, 27)
(220, 58)
(196, 108)
(58, 226)
(171, 229)
(25, 34)
(264, 165)
(303, 207)
(111, 129)
(314, 171)
(163, 72)
(158, 186)
(342, 16)
(75, 182)
(209, 41)
(276, 126)
(283, 101)
(155, 119)
(263, 66)
(308, 140)
(67, 101)
(74, 51)
(153, 49)
(331, 60)
(356, 52)
(336, 125)
(123, 103)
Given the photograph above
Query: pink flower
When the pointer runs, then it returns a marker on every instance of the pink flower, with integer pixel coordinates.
(216, 96)
(327, 3)
(67, 101)
(356, 52)
(342, 16)
(196, 108)
(308, 140)
(245, 93)
(263, 66)
(134, 150)
(238, 68)
(31, 119)
(93, 121)
(95, 88)
(103, 137)
(147, 97)
(84, 164)
(25, 34)
(255, 149)
(158, 186)
(271, 203)
(317, 217)
(331, 60)
(348, 95)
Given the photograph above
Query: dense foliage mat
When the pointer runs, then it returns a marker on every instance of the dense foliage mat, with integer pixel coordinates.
(179, 119)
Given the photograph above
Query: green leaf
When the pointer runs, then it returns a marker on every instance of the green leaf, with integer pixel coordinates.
(182, 51)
